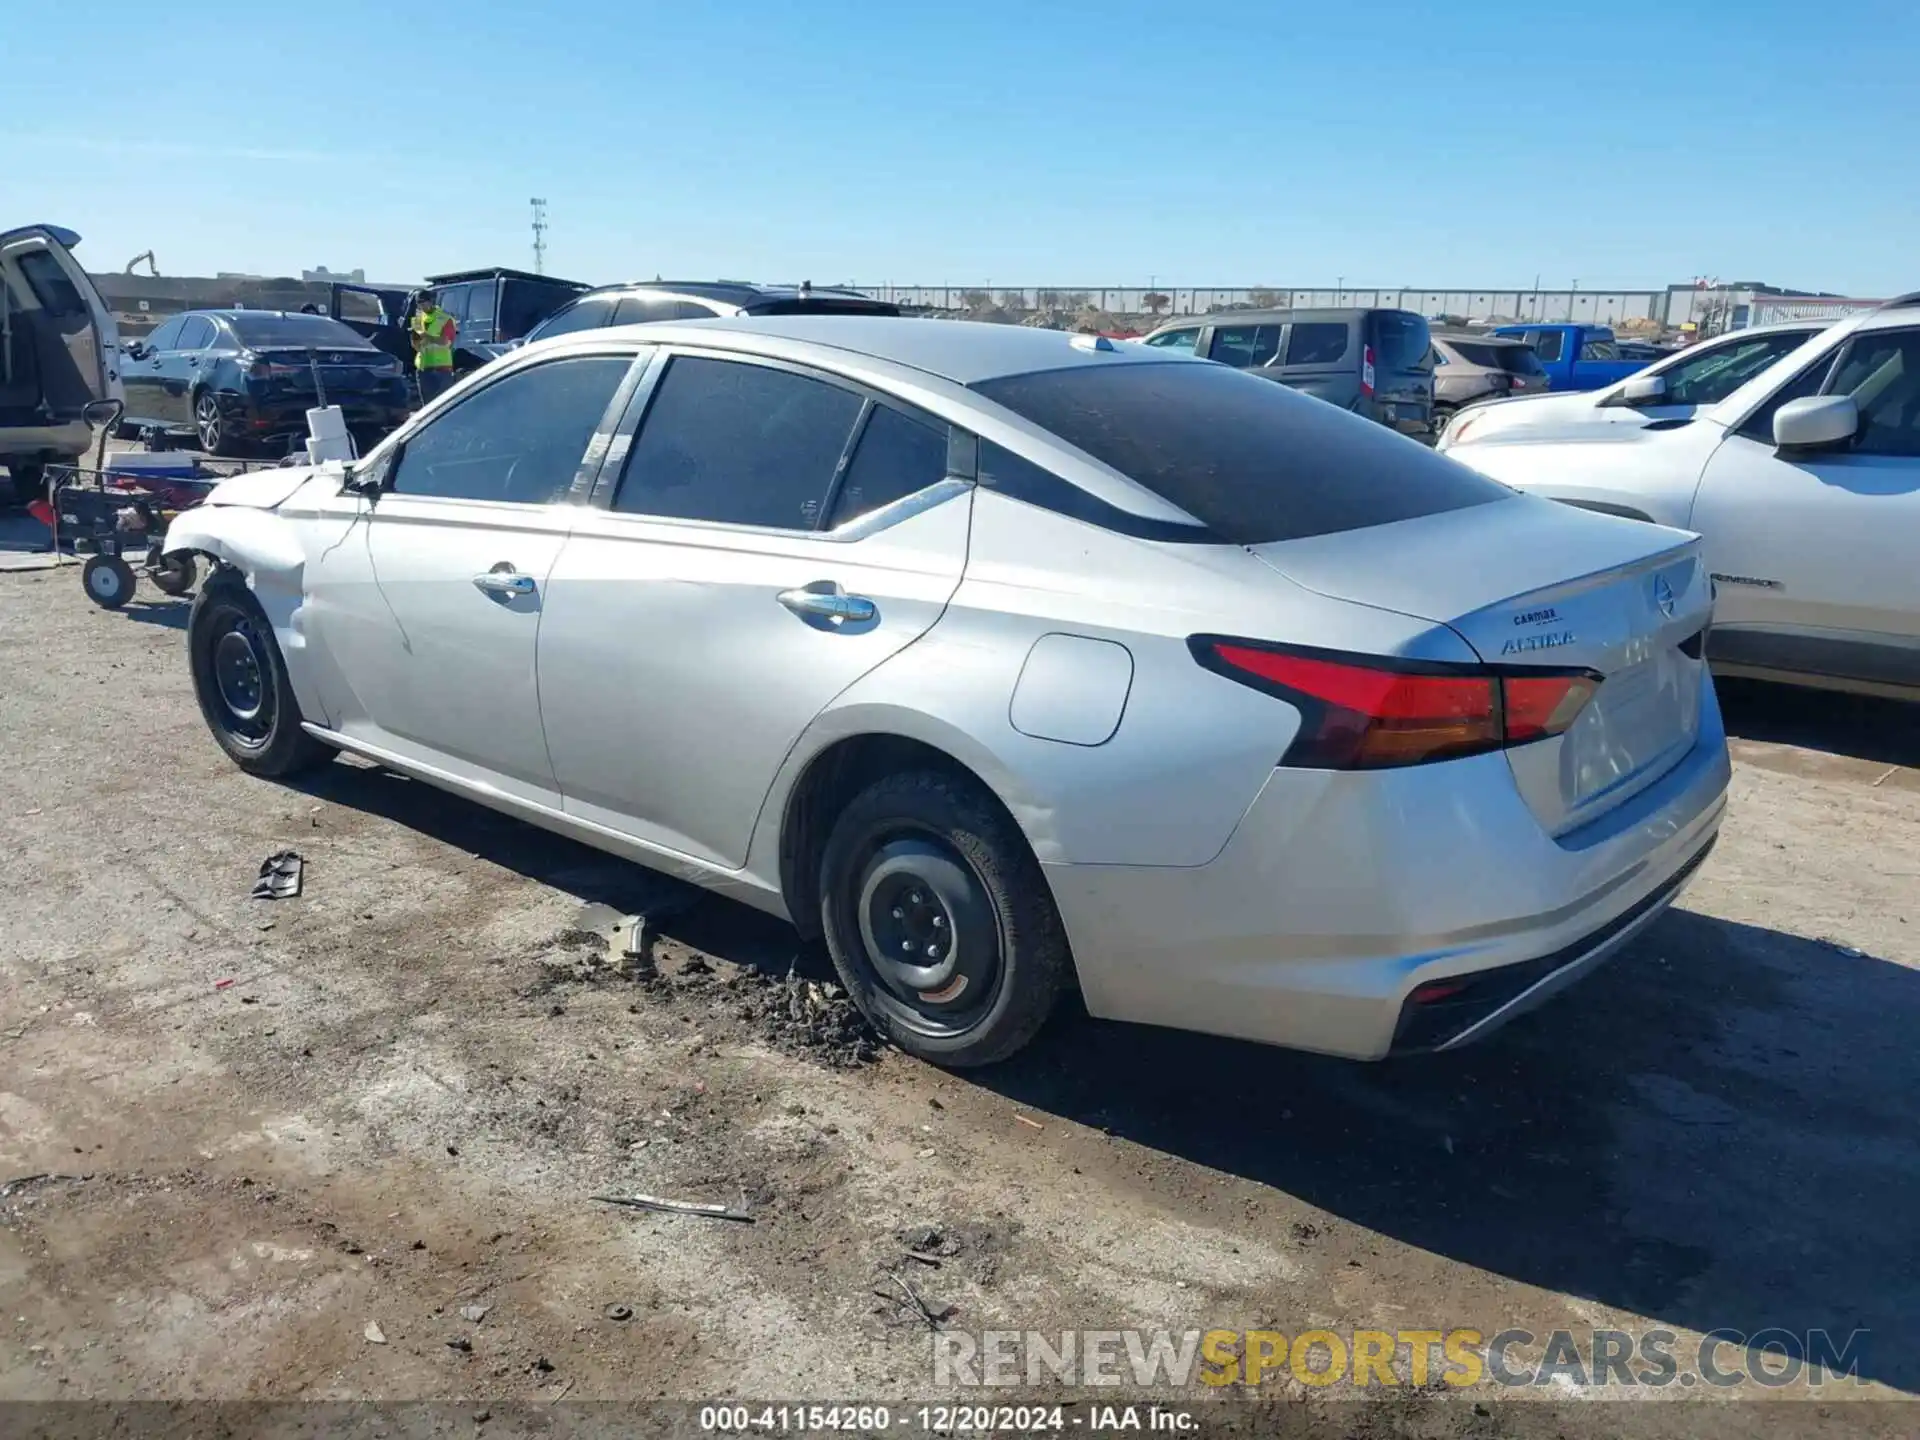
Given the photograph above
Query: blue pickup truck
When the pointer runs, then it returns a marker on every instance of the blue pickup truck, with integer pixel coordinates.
(1575, 357)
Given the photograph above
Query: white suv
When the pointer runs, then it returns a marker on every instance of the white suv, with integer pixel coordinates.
(59, 354)
(1805, 485)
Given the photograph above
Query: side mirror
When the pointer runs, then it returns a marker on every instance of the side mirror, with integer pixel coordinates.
(135, 349)
(1645, 390)
(1816, 422)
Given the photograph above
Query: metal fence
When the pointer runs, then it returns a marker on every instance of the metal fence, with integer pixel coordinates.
(1596, 306)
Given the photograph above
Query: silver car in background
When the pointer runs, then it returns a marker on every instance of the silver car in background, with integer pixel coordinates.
(1002, 659)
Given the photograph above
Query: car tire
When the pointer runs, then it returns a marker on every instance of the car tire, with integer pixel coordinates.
(210, 426)
(939, 920)
(175, 574)
(109, 581)
(240, 680)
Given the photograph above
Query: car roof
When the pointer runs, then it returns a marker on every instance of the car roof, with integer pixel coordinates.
(1243, 317)
(962, 351)
(502, 272)
(727, 292)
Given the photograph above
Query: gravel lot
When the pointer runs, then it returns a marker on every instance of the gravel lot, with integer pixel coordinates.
(424, 1067)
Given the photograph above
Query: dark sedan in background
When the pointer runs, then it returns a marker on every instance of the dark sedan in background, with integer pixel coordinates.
(237, 379)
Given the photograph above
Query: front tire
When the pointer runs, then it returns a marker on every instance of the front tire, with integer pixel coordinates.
(240, 679)
(210, 425)
(939, 920)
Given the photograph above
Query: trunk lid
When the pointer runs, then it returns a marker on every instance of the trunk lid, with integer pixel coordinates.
(344, 371)
(1533, 585)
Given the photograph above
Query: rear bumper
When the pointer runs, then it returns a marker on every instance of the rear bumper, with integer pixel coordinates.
(289, 417)
(1339, 894)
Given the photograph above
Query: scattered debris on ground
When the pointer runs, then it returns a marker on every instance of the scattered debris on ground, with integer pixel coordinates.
(282, 875)
(677, 1207)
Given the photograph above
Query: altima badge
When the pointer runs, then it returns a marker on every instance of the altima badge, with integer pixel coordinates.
(1521, 644)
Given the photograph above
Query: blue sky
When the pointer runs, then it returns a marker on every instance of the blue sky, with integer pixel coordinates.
(1623, 144)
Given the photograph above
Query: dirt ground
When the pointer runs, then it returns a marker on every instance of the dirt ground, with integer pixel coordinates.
(345, 1146)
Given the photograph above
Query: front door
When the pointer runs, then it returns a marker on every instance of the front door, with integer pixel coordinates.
(141, 376)
(1812, 552)
(459, 546)
(775, 535)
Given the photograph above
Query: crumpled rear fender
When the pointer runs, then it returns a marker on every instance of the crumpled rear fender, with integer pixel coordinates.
(263, 550)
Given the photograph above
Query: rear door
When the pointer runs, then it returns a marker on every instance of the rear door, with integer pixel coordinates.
(774, 535)
(1814, 552)
(76, 345)
(1321, 358)
(1399, 352)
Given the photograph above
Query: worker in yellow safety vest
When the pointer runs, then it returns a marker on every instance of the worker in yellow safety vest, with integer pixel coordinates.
(433, 336)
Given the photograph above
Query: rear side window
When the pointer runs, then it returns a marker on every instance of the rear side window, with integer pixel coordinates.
(480, 312)
(196, 334)
(897, 456)
(1400, 339)
(51, 285)
(1245, 347)
(1599, 350)
(1252, 461)
(1546, 343)
(738, 444)
(1317, 342)
(521, 438)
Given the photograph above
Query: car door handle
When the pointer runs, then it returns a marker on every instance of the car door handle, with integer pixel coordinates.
(828, 605)
(504, 582)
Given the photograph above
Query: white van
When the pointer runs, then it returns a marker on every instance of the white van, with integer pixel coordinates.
(59, 355)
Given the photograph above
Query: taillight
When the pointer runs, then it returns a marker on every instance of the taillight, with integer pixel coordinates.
(1366, 371)
(1368, 713)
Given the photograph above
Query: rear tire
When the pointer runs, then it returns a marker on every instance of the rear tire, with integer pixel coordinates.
(210, 426)
(939, 920)
(240, 679)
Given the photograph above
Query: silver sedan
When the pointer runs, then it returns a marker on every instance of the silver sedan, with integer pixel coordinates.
(1003, 660)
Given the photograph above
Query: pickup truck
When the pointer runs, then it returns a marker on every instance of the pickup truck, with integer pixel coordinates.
(1576, 357)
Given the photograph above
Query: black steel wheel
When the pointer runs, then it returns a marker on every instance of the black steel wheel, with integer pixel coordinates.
(109, 581)
(175, 574)
(939, 920)
(240, 679)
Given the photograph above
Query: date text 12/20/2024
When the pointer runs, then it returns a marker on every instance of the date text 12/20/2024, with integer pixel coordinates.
(946, 1419)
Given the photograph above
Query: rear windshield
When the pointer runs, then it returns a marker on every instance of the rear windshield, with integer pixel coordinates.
(1248, 458)
(822, 305)
(264, 328)
(1399, 338)
(1514, 359)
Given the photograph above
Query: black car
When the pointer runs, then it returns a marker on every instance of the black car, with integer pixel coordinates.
(635, 304)
(233, 378)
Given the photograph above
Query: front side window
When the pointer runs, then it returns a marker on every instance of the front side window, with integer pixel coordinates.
(738, 444)
(1881, 372)
(1175, 340)
(1245, 347)
(520, 439)
(897, 456)
(167, 337)
(1317, 342)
